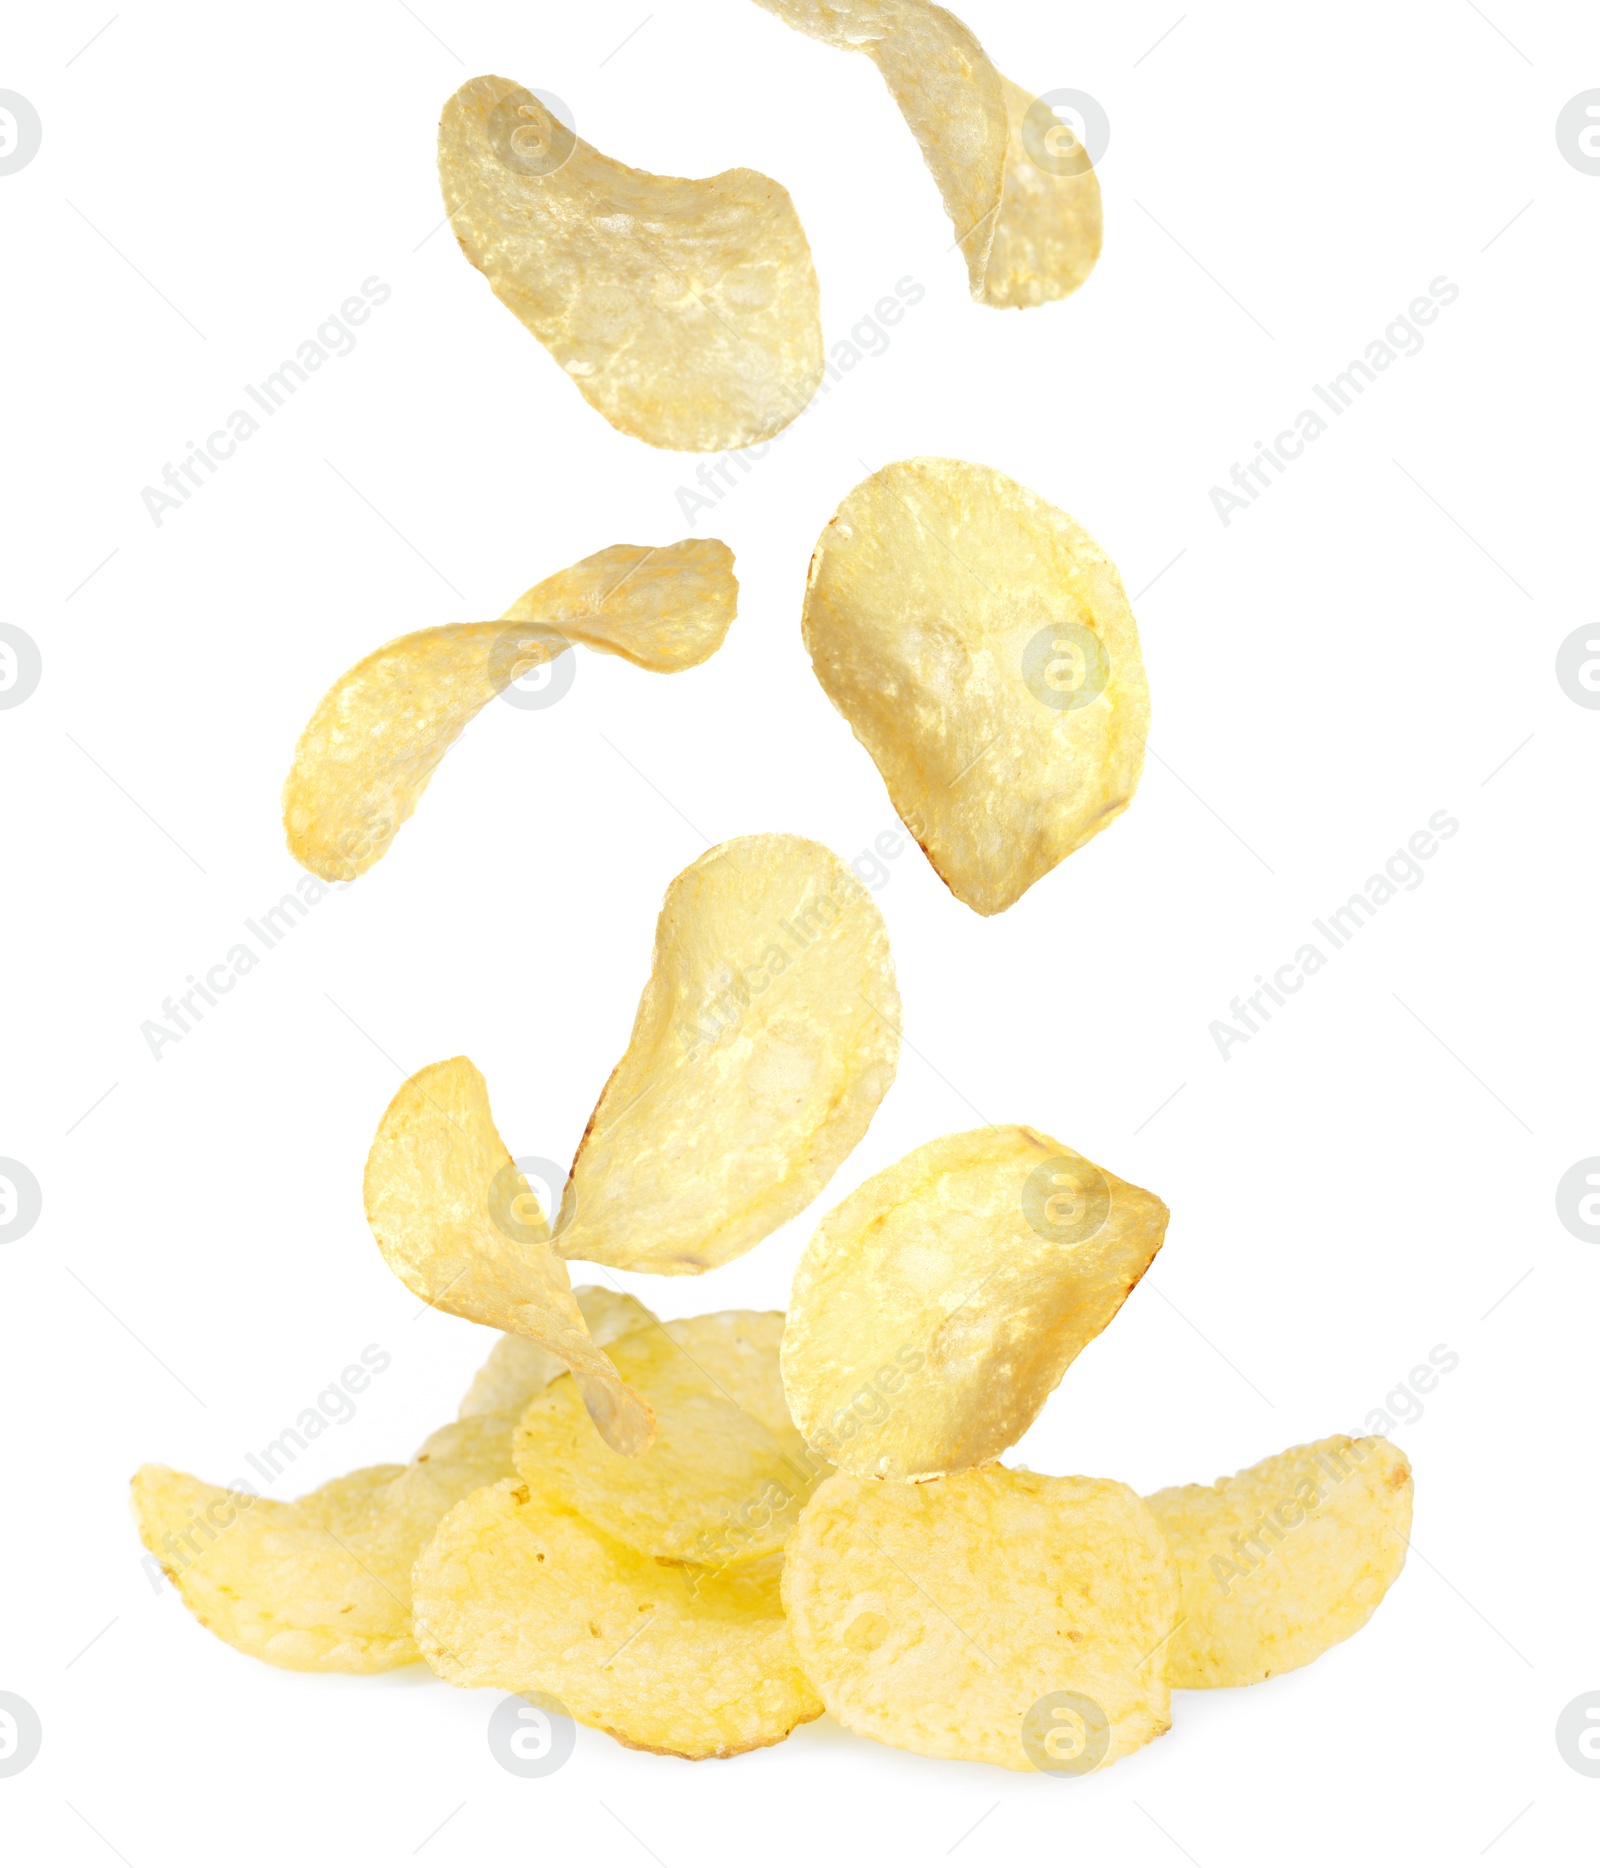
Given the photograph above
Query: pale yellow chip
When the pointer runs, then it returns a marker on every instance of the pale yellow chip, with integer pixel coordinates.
(322, 1584)
(1284, 1560)
(516, 1592)
(686, 312)
(998, 1616)
(727, 1473)
(367, 753)
(936, 1308)
(518, 1369)
(765, 1039)
(981, 646)
(1017, 184)
(460, 1227)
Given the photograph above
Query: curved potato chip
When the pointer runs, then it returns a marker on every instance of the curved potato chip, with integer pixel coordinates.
(322, 1584)
(726, 1474)
(936, 1308)
(517, 1593)
(1284, 1560)
(518, 1369)
(686, 312)
(1018, 186)
(999, 1616)
(981, 646)
(367, 753)
(460, 1227)
(766, 1037)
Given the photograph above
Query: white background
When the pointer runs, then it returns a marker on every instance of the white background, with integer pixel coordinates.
(1369, 1177)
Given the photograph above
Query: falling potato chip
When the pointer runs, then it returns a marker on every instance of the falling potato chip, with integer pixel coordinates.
(518, 1593)
(1017, 184)
(686, 312)
(323, 1584)
(936, 1308)
(518, 1369)
(1284, 1560)
(999, 1616)
(766, 1036)
(460, 1227)
(727, 1473)
(981, 646)
(377, 735)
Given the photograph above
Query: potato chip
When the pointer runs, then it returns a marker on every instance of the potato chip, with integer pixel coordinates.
(999, 1616)
(517, 1593)
(936, 1308)
(686, 312)
(323, 1584)
(1284, 1560)
(518, 1369)
(1016, 182)
(766, 1036)
(981, 646)
(726, 1474)
(460, 1227)
(370, 748)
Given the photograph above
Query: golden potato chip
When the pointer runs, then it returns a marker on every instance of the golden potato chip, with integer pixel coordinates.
(460, 1227)
(726, 1474)
(981, 646)
(766, 1036)
(999, 1616)
(1016, 182)
(1284, 1560)
(517, 1593)
(323, 1584)
(686, 312)
(370, 748)
(518, 1369)
(936, 1308)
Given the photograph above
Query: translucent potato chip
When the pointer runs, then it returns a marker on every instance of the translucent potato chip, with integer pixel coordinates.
(726, 1474)
(981, 646)
(1281, 1562)
(461, 1228)
(518, 1369)
(1017, 184)
(998, 1616)
(377, 735)
(323, 1584)
(686, 312)
(517, 1593)
(766, 1036)
(935, 1309)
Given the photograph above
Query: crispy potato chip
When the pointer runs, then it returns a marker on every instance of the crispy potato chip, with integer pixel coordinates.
(516, 1592)
(686, 312)
(766, 1036)
(999, 1616)
(323, 1584)
(1017, 184)
(1281, 1562)
(981, 646)
(936, 1308)
(370, 748)
(727, 1473)
(460, 1227)
(518, 1369)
